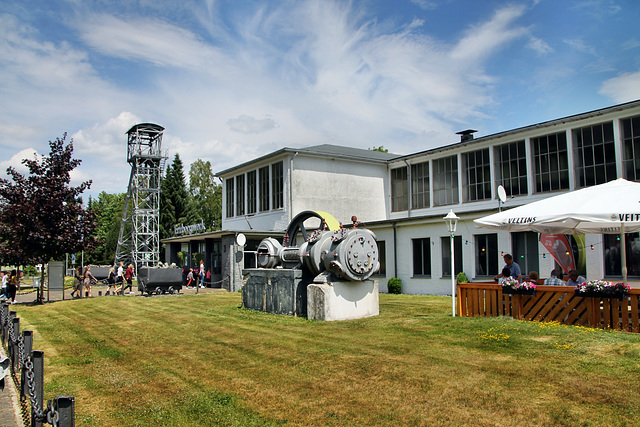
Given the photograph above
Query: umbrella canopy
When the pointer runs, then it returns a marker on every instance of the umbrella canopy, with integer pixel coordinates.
(611, 208)
(601, 209)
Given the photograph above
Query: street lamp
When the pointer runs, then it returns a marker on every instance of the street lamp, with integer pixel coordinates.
(452, 221)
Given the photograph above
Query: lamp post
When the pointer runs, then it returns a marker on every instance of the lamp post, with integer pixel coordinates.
(452, 221)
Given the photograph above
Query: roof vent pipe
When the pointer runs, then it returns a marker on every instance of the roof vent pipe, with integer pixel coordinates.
(466, 135)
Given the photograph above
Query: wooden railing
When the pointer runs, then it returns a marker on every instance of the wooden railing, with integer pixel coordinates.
(550, 303)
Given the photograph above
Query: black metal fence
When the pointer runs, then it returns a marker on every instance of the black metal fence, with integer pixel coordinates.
(27, 369)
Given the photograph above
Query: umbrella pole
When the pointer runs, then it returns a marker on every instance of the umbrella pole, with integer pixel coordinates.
(624, 254)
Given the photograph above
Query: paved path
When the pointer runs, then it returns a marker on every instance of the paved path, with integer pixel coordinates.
(9, 405)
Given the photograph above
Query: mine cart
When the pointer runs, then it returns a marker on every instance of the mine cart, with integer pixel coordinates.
(159, 280)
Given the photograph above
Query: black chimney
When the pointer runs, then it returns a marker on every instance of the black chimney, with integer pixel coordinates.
(466, 135)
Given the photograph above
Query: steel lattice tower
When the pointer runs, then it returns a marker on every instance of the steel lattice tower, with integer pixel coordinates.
(139, 238)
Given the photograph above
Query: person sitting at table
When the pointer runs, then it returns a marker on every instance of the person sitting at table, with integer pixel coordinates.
(575, 279)
(506, 274)
(555, 279)
(534, 276)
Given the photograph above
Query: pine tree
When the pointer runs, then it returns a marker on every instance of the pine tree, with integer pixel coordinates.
(174, 198)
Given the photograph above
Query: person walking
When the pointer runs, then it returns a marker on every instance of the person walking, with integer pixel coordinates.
(189, 278)
(77, 283)
(87, 277)
(5, 279)
(111, 280)
(128, 276)
(12, 287)
(120, 277)
(201, 284)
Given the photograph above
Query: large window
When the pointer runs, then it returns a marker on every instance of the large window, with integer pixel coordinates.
(446, 255)
(421, 257)
(252, 191)
(613, 257)
(382, 258)
(277, 186)
(445, 181)
(594, 155)
(240, 195)
(399, 191)
(263, 174)
(525, 251)
(631, 148)
(420, 185)
(511, 167)
(230, 191)
(476, 176)
(550, 162)
(486, 248)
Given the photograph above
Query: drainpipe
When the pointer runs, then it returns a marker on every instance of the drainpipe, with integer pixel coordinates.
(291, 187)
(395, 252)
(408, 188)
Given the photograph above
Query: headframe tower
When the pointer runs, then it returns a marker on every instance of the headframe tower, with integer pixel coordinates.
(139, 238)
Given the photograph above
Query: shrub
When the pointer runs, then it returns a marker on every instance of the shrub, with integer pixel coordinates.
(394, 285)
(462, 278)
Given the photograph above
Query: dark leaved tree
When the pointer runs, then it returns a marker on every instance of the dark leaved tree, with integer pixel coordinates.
(41, 215)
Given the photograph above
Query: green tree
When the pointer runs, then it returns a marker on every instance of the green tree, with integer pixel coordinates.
(380, 148)
(108, 212)
(174, 198)
(206, 194)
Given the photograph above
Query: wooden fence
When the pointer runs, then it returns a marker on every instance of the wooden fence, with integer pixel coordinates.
(550, 303)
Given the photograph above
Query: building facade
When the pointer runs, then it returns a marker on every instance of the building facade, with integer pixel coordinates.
(403, 199)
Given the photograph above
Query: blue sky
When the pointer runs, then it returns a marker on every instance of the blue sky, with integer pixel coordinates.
(233, 80)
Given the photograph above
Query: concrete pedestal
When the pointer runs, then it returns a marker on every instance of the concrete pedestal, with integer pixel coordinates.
(276, 290)
(342, 300)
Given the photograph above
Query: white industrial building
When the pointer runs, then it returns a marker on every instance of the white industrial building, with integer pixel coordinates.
(403, 199)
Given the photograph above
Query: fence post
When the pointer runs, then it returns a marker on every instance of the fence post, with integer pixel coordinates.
(37, 357)
(8, 326)
(28, 346)
(66, 408)
(5, 314)
(15, 357)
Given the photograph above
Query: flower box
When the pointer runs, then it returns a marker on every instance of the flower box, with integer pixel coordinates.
(602, 289)
(512, 286)
(519, 291)
(601, 294)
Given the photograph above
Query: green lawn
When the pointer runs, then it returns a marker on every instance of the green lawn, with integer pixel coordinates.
(202, 360)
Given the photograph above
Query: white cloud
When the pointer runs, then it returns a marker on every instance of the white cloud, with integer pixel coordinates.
(623, 88)
(425, 4)
(539, 45)
(248, 124)
(580, 46)
(16, 161)
(485, 39)
(151, 40)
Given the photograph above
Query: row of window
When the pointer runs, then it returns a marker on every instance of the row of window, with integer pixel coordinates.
(259, 190)
(488, 261)
(594, 162)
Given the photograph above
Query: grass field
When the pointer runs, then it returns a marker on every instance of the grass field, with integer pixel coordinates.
(202, 360)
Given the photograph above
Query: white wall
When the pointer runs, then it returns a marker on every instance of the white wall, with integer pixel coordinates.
(339, 187)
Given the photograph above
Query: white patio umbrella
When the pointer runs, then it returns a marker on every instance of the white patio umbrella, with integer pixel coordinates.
(611, 208)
